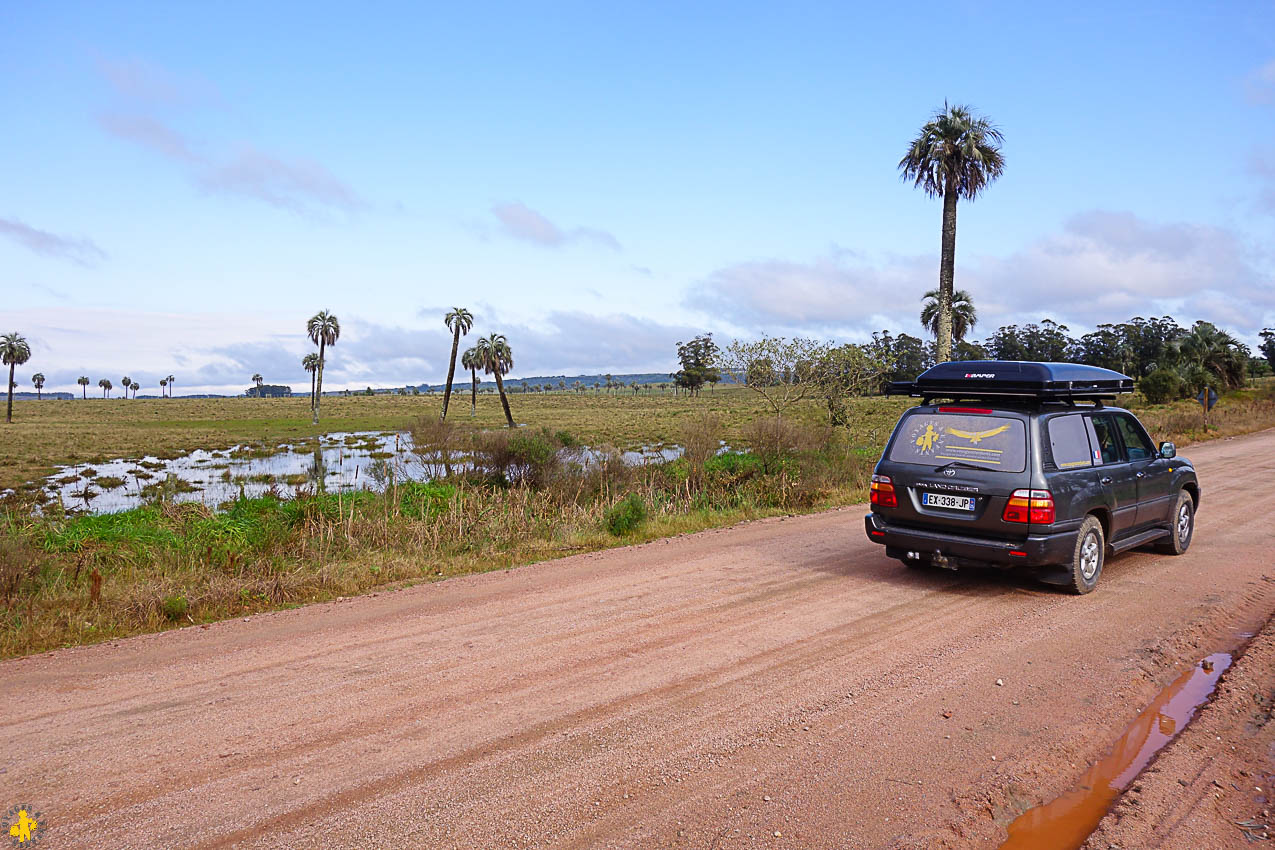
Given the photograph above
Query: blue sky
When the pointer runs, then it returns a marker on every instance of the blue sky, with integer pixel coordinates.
(183, 186)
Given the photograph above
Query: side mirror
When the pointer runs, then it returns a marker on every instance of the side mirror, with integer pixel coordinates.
(1168, 450)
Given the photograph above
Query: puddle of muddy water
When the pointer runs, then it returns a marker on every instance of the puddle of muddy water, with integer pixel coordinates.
(338, 461)
(1065, 823)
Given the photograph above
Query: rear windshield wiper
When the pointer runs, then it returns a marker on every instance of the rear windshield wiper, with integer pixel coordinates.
(962, 464)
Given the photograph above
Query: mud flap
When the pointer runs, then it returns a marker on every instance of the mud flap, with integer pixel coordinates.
(1054, 575)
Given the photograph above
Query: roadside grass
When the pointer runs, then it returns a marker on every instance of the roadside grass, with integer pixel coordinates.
(68, 579)
(80, 579)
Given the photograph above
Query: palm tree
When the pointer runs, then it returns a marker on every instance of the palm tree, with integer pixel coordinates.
(38, 380)
(458, 321)
(310, 363)
(106, 387)
(125, 384)
(956, 155)
(163, 382)
(324, 329)
(83, 381)
(14, 351)
(964, 316)
(135, 387)
(171, 381)
(257, 379)
(1215, 351)
(469, 360)
(496, 359)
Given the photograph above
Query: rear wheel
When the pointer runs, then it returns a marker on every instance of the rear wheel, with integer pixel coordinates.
(1088, 556)
(1179, 540)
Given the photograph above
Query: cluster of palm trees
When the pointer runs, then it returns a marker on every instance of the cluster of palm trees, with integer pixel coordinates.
(324, 329)
(491, 353)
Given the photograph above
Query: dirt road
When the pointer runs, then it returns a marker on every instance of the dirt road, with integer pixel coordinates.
(776, 684)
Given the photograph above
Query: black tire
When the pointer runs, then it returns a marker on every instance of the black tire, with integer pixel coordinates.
(1088, 556)
(1183, 520)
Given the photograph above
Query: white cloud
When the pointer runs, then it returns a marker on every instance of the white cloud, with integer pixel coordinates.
(519, 221)
(78, 250)
(1101, 267)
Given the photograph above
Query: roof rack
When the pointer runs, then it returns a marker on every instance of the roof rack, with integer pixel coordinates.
(997, 379)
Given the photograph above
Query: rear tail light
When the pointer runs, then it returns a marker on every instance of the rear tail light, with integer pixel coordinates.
(1034, 506)
(882, 492)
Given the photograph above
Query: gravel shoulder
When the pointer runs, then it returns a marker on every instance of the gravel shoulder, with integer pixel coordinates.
(1211, 787)
(776, 684)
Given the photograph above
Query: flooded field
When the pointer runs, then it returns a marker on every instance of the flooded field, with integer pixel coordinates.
(340, 461)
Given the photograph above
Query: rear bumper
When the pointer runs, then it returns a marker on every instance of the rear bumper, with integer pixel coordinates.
(1036, 550)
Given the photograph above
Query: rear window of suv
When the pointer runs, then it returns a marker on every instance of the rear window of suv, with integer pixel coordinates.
(937, 439)
(1069, 442)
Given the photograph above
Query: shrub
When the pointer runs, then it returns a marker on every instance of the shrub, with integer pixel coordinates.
(1161, 386)
(517, 457)
(701, 438)
(626, 515)
(174, 607)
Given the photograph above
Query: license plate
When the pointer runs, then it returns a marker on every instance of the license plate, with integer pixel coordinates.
(943, 500)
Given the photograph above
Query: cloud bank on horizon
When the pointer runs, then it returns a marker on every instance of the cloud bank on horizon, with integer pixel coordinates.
(238, 195)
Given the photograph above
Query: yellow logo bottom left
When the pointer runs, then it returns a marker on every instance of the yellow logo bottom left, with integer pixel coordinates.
(24, 826)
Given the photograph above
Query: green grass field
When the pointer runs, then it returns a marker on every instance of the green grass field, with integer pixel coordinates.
(47, 434)
(67, 579)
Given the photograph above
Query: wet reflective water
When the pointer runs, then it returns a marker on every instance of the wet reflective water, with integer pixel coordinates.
(352, 460)
(1065, 823)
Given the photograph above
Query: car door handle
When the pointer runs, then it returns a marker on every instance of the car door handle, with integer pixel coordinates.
(1106, 480)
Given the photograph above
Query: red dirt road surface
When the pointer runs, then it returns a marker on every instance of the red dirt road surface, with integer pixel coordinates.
(776, 684)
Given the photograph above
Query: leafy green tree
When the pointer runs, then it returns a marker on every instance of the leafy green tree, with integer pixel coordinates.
(1047, 341)
(14, 351)
(699, 363)
(83, 381)
(956, 155)
(964, 316)
(496, 359)
(782, 371)
(470, 361)
(844, 371)
(458, 321)
(324, 329)
(903, 357)
(1268, 345)
(38, 380)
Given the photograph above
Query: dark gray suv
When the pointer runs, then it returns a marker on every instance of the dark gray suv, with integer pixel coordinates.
(1023, 464)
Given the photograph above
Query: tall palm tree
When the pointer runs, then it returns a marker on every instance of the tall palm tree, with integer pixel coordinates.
(83, 381)
(14, 351)
(324, 329)
(38, 380)
(470, 361)
(257, 379)
(1217, 352)
(458, 321)
(171, 381)
(163, 382)
(964, 316)
(106, 385)
(496, 359)
(125, 383)
(956, 155)
(135, 387)
(310, 363)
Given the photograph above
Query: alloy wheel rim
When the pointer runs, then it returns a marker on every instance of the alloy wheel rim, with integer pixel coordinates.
(1184, 523)
(1089, 557)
